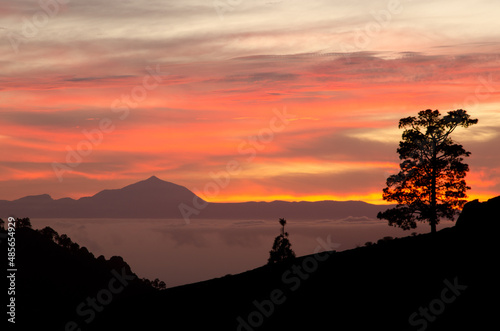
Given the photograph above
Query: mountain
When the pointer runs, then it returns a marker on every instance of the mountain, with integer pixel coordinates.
(151, 198)
(442, 281)
(155, 198)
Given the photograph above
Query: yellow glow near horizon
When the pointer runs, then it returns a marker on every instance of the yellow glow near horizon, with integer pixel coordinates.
(373, 198)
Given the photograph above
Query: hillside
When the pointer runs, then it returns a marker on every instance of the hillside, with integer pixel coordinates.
(55, 276)
(438, 282)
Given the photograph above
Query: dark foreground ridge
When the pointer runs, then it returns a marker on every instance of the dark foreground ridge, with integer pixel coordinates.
(446, 281)
(57, 282)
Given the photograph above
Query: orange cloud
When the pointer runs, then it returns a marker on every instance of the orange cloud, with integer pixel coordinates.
(339, 142)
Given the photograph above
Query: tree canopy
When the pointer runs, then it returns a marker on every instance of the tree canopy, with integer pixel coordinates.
(281, 250)
(431, 182)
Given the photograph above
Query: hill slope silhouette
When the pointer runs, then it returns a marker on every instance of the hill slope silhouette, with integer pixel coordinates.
(445, 281)
(52, 281)
(377, 287)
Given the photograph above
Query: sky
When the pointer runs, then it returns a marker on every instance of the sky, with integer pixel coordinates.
(239, 100)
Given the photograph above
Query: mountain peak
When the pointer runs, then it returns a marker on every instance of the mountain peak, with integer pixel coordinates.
(153, 178)
(152, 185)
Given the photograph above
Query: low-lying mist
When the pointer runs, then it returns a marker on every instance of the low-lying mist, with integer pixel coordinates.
(180, 253)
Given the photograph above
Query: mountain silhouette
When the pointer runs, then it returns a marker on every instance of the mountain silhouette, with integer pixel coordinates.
(52, 280)
(155, 198)
(152, 190)
(148, 198)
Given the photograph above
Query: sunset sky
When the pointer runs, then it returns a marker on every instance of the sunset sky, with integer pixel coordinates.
(286, 99)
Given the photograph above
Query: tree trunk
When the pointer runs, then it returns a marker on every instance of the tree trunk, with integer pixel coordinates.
(433, 216)
(433, 225)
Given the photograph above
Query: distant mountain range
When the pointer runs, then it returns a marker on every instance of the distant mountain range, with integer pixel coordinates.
(155, 198)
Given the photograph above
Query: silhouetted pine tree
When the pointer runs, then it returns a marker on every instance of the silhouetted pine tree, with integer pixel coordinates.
(431, 183)
(281, 250)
